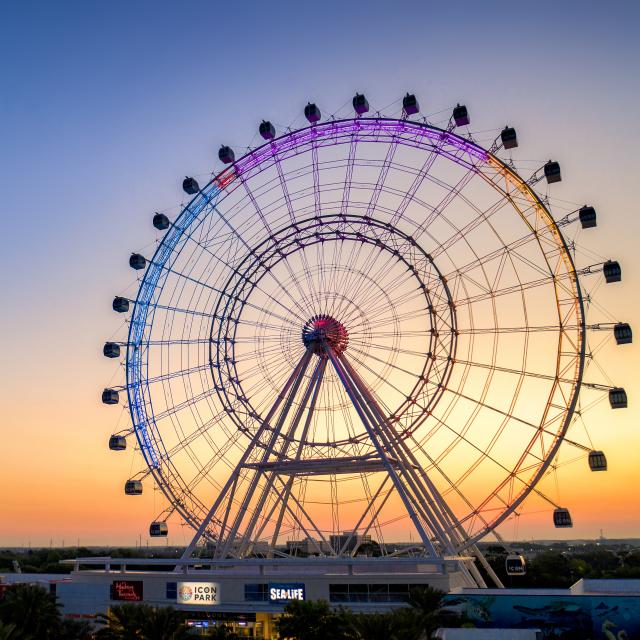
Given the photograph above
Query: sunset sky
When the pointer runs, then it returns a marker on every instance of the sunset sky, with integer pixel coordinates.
(107, 106)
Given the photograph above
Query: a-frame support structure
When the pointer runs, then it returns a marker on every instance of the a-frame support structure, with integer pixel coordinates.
(258, 494)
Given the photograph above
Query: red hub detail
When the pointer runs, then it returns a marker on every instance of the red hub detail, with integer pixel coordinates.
(323, 331)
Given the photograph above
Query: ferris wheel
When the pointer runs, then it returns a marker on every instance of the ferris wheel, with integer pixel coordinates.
(367, 324)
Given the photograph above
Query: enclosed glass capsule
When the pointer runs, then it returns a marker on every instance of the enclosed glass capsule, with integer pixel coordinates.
(509, 138)
(562, 518)
(622, 333)
(111, 350)
(360, 104)
(410, 104)
(226, 154)
(312, 113)
(597, 461)
(461, 115)
(133, 487)
(552, 172)
(110, 396)
(618, 398)
(587, 217)
(117, 443)
(515, 565)
(190, 186)
(158, 529)
(136, 261)
(161, 222)
(121, 305)
(267, 130)
(612, 271)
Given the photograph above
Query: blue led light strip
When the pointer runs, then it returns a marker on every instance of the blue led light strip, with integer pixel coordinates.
(135, 379)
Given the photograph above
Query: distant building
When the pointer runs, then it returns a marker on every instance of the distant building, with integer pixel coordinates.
(305, 547)
(350, 539)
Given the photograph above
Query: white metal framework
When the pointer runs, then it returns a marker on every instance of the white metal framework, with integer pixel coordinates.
(362, 328)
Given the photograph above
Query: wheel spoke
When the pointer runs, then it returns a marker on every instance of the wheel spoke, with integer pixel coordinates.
(357, 297)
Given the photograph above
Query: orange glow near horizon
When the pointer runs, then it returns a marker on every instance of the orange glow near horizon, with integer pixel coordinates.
(66, 486)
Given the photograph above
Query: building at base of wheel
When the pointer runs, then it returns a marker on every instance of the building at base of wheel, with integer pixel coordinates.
(248, 594)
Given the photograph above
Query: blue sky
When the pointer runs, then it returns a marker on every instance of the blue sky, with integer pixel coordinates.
(106, 106)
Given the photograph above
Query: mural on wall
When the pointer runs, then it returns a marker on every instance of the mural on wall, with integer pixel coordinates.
(559, 617)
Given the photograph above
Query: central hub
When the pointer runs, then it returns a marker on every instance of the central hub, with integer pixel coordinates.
(323, 331)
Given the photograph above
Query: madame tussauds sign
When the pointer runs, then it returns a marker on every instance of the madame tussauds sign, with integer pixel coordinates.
(200, 593)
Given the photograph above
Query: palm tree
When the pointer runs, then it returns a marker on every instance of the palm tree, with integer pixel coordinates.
(374, 626)
(142, 622)
(222, 632)
(406, 624)
(122, 622)
(10, 632)
(428, 605)
(74, 630)
(33, 611)
(313, 620)
(163, 623)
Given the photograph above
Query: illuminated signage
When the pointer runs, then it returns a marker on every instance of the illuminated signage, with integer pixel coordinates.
(199, 624)
(130, 590)
(198, 593)
(286, 592)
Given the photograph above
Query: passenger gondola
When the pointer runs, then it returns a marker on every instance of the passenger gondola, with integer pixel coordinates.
(515, 565)
(597, 461)
(133, 487)
(562, 518)
(158, 529)
(117, 443)
(410, 104)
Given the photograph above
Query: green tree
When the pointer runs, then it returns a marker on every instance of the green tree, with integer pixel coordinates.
(122, 622)
(632, 558)
(550, 569)
(163, 623)
(33, 611)
(600, 563)
(406, 624)
(222, 632)
(375, 626)
(430, 608)
(314, 620)
(10, 632)
(141, 622)
(74, 630)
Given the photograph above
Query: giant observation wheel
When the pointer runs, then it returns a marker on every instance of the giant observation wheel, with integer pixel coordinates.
(367, 325)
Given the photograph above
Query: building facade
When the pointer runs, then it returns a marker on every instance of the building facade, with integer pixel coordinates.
(248, 594)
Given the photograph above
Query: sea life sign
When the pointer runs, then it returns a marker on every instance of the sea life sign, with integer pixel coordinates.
(286, 591)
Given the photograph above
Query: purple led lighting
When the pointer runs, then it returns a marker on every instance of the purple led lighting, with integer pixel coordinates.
(363, 129)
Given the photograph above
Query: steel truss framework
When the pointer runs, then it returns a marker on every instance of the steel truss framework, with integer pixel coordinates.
(272, 470)
(455, 299)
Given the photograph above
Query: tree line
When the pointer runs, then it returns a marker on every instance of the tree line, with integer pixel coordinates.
(560, 568)
(552, 568)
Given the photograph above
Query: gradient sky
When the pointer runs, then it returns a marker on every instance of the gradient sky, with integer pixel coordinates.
(106, 106)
